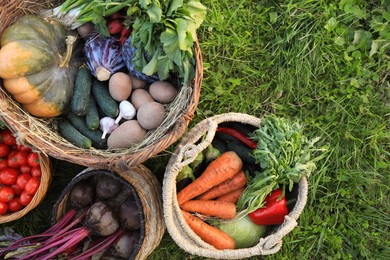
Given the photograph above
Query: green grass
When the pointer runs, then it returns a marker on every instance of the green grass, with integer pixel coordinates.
(325, 63)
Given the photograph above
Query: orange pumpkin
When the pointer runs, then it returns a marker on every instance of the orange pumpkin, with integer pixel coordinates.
(38, 61)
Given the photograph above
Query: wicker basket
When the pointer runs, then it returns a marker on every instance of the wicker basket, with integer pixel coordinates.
(41, 133)
(176, 225)
(39, 195)
(147, 191)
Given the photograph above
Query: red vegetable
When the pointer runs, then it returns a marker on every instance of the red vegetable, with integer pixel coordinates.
(32, 185)
(14, 205)
(17, 190)
(22, 180)
(8, 176)
(21, 147)
(25, 168)
(4, 150)
(8, 137)
(36, 172)
(115, 26)
(25, 198)
(33, 159)
(239, 135)
(3, 208)
(273, 212)
(15, 160)
(124, 35)
(6, 194)
(3, 164)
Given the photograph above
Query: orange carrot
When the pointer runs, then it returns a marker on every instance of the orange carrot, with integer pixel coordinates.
(234, 183)
(232, 196)
(212, 208)
(207, 233)
(219, 170)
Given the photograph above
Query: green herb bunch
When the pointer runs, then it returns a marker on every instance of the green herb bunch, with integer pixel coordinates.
(163, 34)
(284, 155)
(163, 31)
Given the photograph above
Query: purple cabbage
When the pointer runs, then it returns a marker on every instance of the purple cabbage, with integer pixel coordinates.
(128, 55)
(103, 56)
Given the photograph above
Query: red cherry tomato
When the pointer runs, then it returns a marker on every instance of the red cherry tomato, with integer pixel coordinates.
(17, 190)
(32, 185)
(4, 150)
(25, 168)
(6, 194)
(23, 148)
(8, 176)
(22, 180)
(25, 198)
(33, 159)
(14, 205)
(3, 164)
(8, 137)
(3, 208)
(17, 159)
(36, 172)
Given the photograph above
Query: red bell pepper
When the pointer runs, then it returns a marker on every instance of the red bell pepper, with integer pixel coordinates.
(273, 212)
(238, 135)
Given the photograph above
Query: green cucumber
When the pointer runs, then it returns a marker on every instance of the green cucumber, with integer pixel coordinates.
(92, 117)
(242, 151)
(70, 133)
(103, 98)
(81, 91)
(219, 144)
(94, 135)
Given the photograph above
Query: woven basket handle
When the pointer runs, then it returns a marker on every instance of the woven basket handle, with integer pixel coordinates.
(272, 243)
(190, 150)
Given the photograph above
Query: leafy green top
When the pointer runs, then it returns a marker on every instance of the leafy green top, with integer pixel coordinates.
(164, 31)
(284, 154)
(166, 34)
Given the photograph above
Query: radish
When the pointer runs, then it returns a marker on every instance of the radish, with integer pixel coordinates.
(114, 26)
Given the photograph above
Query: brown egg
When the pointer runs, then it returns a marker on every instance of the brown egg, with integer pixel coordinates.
(150, 115)
(139, 97)
(163, 91)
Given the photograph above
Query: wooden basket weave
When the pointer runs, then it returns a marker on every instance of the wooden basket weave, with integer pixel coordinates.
(39, 195)
(41, 133)
(147, 191)
(182, 234)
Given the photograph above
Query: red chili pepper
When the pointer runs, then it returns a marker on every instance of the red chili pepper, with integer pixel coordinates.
(273, 212)
(239, 135)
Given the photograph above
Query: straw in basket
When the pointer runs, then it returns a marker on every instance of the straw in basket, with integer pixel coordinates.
(183, 235)
(147, 191)
(44, 162)
(41, 133)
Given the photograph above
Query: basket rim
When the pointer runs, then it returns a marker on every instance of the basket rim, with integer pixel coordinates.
(38, 196)
(50, 142)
